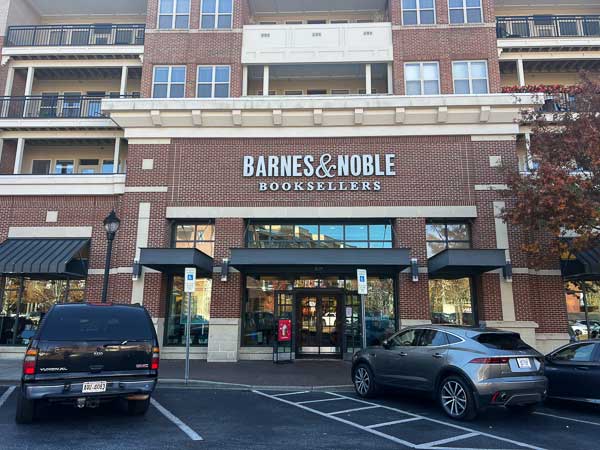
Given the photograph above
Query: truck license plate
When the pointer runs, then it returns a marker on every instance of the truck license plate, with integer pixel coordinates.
(524, 363)
(94, 387)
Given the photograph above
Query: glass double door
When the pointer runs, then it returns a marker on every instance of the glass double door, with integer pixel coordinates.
(320, 324)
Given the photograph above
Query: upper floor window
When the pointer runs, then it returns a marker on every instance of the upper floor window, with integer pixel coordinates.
(470, 77)
(216, 14)
(174, 14)
(465, 11)
(213, 81)
(445, 235)
(200, 236)
(422, 78)
(169, 82)
(418, 12)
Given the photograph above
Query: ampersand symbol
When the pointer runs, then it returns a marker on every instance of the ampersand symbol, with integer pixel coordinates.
(324, 170)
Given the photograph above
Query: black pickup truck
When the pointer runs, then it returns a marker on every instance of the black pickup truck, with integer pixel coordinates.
(88, 353)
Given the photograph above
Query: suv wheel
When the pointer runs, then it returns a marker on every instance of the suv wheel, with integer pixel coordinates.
(456, 398)
(138, 407)
(25, 410)
(364, 382)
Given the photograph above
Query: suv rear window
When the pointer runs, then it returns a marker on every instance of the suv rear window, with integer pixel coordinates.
(96, 323)
(502, 341)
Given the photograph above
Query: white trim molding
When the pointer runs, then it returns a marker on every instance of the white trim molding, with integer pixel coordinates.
(50, 232)
(40, 185)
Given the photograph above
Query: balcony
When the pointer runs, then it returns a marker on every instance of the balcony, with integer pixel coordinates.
(74, 35)
(96, 184)
(321, 43)
(549, 30)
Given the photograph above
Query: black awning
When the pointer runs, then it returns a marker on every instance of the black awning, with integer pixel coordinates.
(173, 261)
(456, 263)
(333, 261)
(48, 258)
(585, 266)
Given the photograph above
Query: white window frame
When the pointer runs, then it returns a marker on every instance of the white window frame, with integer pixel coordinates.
(174, 15)
(216, 15)
(421, 78)
(213, 83)
(464, 9)
(418, 11)
(169, 83)
(470, 79)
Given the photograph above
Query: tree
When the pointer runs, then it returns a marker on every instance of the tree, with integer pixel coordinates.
(557, 204)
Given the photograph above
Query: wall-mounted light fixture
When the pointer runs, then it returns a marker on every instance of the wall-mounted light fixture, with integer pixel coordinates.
(508, 271)
(137, 270)
(225, 269)
(414, 269)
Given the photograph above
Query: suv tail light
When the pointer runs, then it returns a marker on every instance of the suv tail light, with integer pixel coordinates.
(30, 361)
(155, 358)
(497, 360)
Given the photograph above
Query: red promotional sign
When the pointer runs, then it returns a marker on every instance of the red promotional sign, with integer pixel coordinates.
(284, 330)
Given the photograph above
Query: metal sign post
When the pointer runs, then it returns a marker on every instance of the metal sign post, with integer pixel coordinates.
(189, 289)
(361, 276)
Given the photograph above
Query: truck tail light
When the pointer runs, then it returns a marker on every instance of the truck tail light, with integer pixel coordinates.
(155, 358)
(496, 360)
(30, 361)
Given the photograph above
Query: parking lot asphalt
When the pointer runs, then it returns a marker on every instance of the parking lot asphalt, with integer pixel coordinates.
(191, 418)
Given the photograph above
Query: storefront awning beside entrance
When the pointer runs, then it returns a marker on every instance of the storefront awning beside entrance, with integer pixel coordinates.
(460, 263)
(47, 258)
(307, 261)
(585, 266)
(173, 261)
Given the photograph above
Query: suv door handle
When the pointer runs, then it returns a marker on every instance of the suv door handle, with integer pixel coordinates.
(582, 368)
(438, 355)
(403, 354)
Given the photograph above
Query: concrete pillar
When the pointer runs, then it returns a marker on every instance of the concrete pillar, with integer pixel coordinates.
(1, 148)
(368, 88)
(116, 155)
(266, 80)
(521, 72)
(29, 82)
(390, 78)
(10, 78)
(244, 81)
(19, 156)
(124, 75)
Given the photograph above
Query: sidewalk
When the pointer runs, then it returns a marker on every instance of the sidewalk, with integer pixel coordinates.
(304, 374)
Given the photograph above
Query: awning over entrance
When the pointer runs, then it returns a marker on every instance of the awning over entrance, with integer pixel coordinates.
(334, 261)
(585, 266)
(46, 258)
(173, 261)
(460, 263)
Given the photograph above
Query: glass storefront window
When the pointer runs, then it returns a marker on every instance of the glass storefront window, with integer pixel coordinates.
(451, 302)
(576, 309)
(319, 235)
(198, 235)
(19, 320)
(177, 313)
(441, 236)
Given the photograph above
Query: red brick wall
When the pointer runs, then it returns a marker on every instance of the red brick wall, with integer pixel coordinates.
(7, 159)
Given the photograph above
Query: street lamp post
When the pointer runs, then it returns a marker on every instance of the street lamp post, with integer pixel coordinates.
(111, 225)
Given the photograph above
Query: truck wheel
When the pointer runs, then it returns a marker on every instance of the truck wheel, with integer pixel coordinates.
(138, 407)
(25, 410)
(456, 398)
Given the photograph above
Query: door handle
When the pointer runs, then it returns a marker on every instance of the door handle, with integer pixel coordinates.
(403, 354)
(438, 355)
(582, 368)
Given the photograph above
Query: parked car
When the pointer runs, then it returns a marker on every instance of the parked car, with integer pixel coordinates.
(578, 328)
(465, 369)
(86, 354)
(573, 372)
(594, 327)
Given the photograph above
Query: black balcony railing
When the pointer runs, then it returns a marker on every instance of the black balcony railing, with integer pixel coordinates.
(547, 26)
(54, 107)
(74, 35)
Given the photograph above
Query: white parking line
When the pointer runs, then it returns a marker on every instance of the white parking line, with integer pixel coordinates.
(448, 440)
(182, 426)
(567, 418)
(319, 401)
(7, 394)
(362, 408)
(290, 393)
(393, 422)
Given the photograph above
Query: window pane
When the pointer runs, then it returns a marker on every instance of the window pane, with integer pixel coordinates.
(430, 72)
(185, 233)
(427, 17)
(177, 313)
(165, 22)
(413, 88)
(178, 75)
(225, 6)
(409, 4)
(282, 232)
(357, 232)
(460, 70)
(161, 74)
(456, 3)
(461, 87)
(412, 72)
(177, 91)
(307, 232)
(182, 22)
(166, 6)
(332, 232)
(451, 302)
(433, 248)
(380, 232)
(221, 90)
(224, 21)
(456, 16)
(426, 4)
(409, 18)
(208, 22)
(160, 91)
(431, 88)
(473, 3)
(435, 232)
(406, 339)
(458, 232)
(205, 74)
(209, 6)
(480, 87)
(479, 70)
(459, 245)
(581, 352)
(222, 74)
(107, 167)
(473, 15)
(183, 6)
(205, 232)
(354, 244)
(432, 338)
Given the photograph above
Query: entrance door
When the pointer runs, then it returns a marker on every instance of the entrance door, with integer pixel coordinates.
(319, 324)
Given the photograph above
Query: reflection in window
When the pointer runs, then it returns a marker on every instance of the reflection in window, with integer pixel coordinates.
(441, 236)
(324, 235)
(195, 235)
(451, 302)
(19, 320)
(177, 313)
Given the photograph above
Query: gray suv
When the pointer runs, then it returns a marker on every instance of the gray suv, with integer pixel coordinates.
(465, 369)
